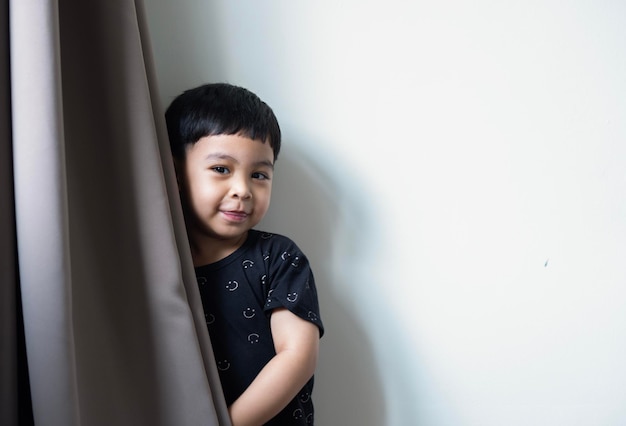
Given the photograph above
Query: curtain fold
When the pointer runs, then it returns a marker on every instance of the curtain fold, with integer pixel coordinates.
(8, 270)
(113, 325)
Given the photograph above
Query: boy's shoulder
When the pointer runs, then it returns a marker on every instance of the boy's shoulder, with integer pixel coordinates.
(276, 252)
(270, 239)
(272, 248)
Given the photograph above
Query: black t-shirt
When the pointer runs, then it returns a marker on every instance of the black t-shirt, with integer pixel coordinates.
(238, 294)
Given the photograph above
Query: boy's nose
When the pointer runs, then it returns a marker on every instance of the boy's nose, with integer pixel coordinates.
(241, 188)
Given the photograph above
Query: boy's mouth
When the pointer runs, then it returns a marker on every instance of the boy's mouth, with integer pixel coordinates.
(235, 215)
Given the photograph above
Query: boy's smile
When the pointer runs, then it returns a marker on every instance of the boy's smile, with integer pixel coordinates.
(235, 216)
(226, 185)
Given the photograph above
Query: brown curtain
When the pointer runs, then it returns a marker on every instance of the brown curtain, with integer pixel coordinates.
(100, 317)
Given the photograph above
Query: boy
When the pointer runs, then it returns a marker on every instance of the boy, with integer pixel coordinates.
(257, 289)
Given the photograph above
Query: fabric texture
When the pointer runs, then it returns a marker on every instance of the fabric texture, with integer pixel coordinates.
(238, 293)
(93, 240)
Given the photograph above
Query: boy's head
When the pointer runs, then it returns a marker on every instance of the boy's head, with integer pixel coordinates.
(224, 141)
(220, 109)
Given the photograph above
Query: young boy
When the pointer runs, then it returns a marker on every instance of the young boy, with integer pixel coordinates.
(257, 288)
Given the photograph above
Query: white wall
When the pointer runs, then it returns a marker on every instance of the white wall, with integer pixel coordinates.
(455, 171)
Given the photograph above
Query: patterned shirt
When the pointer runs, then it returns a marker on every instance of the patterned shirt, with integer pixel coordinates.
(238, 294)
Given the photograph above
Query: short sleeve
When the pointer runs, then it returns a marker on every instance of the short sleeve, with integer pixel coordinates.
(292, 285)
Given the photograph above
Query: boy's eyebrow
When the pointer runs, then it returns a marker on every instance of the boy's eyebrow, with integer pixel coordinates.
(220, 156)
(266, 163)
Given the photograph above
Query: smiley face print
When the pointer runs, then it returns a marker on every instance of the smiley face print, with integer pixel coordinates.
(223, 365)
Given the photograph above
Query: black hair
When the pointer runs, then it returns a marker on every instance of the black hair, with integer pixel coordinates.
(219, 109)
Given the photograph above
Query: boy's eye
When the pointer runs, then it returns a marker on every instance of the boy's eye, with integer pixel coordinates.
(220, 169)
(259, 175)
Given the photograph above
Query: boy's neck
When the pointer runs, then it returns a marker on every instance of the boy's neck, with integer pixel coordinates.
(206, 250)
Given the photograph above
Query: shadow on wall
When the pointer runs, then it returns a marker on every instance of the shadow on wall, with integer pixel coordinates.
(305, 206)
(348, 389)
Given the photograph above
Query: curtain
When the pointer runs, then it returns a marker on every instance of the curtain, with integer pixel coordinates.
(101, 319)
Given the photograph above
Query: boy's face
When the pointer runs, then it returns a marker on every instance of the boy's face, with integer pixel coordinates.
(226, 184)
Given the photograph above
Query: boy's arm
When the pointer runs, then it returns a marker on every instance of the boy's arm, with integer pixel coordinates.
(297, 343)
